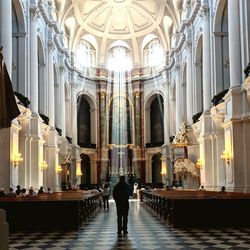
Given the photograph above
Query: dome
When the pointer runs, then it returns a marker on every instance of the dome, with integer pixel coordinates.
(111, 20)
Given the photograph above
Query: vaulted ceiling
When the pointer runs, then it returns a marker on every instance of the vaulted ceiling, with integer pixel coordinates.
(110, 20)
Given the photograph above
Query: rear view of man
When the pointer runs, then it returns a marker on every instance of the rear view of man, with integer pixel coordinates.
(121, 193)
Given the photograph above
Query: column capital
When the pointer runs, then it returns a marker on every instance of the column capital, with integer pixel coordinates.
(137, 94)
(103, 94)
(205, 9)
(74, 85)
(51, 46)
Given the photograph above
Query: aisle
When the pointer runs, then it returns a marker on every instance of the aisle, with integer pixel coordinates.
(144, 232)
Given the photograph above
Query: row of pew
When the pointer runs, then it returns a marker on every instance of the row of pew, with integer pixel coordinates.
(189, 208)
(59, 210)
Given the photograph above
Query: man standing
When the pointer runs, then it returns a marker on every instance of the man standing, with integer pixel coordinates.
(121, 193)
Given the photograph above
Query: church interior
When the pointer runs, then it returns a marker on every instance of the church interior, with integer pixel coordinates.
(157, 91)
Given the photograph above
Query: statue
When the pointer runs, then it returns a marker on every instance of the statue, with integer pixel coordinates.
(182, 135)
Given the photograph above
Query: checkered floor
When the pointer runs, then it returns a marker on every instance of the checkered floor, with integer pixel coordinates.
(144, 232)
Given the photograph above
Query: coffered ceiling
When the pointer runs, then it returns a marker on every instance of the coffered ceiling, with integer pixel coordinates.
(111, 20)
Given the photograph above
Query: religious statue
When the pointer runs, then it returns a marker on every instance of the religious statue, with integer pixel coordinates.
(182, 135)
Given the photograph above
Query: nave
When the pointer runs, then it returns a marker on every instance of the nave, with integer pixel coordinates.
(144, 232)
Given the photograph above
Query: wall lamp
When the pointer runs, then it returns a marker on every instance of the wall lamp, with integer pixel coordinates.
(17, 160)
(58, 169)
(79, 173)
(226, 157)
(44, 166)
(199, 164)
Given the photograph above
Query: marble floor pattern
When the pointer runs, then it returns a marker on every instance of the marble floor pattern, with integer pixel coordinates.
(144, 232)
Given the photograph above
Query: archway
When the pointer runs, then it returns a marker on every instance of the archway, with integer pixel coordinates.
(221, 62)
(199, 76)
(83, 123)
(150, 125)
(86, 171)
(156, 170)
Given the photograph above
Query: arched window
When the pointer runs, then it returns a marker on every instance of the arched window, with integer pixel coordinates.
(119, 59)
(85, 54)
(198, 77)
(153, 54)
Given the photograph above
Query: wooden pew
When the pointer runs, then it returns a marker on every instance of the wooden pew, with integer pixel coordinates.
(4, 231)
(59, 210)
(186, 208)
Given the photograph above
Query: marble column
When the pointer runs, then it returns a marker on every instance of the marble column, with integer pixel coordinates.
(137, 103)
(234, 43)
(51, 92)
(206, 57)
(33, 61)
(62, 99)
(189, 85)
(103, 135)
(6, 33)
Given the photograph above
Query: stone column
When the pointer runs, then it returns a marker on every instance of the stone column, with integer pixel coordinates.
(51, 84)
(206, 57)
(33, 61)
(166, 166)
(62, 99)
(103, 135)
(178, 98)
(104, 163)
(74, 113)
(189, 84)
(137, 103)
(234, 43)
(6, 33)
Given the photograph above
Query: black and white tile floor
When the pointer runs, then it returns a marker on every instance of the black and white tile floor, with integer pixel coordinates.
(144, 232)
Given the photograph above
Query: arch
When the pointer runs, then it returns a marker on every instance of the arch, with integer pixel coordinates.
(156, 170)
(86, 171)
(147, 120)
(42, 98)
(19, 78)
(92, 112)
(199, 76)
(221, 59)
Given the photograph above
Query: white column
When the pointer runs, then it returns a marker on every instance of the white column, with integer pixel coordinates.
(33, 61)
(73, 114)
(206, 58)
(51, 85)
(166, 116)
(62, 100)
(189, 85)
(6, 33)
(234, 43)
(178, 98)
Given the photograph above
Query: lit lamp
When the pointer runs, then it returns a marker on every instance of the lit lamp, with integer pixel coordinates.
(17, 160)
(44, 166)
(58, 169)
(199, 164)
(79, 173)
(226, 157)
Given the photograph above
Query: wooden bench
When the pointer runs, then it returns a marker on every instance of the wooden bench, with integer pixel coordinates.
(185, 208)
(59, 210)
